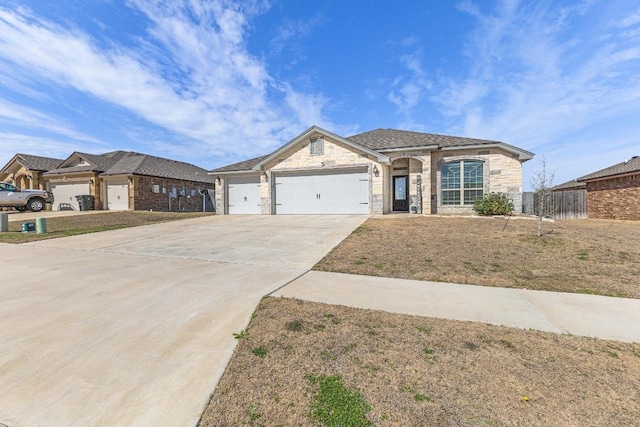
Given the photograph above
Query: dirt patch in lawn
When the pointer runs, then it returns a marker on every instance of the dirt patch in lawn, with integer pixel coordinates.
(586, 256)
(416, 371)
(82, 224)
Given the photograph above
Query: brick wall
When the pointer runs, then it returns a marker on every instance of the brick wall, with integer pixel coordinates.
(615, 198)
(143, 198)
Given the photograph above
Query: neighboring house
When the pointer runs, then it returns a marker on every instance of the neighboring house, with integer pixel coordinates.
(119, 180)
(380, 171)
(614, 192)
(123, 180)
(25, 171)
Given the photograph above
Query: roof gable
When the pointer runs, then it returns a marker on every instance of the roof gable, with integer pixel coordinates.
(628, 166)
(31, 162)
(315, 130)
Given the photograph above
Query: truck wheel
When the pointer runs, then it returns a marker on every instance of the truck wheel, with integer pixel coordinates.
(36, 204)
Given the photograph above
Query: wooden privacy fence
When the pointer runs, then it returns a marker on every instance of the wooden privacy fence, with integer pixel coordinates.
(566, 204)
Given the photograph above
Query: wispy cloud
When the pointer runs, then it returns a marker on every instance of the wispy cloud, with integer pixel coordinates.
(33, 144)
(191, 74)
(409, 88)
(14, 115)
(528, 82)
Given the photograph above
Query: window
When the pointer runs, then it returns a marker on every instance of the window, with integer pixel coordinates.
(462, 182)
(7, 187)
(317, 146)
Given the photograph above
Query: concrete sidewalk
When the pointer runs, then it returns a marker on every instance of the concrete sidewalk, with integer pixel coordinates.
(575, 314)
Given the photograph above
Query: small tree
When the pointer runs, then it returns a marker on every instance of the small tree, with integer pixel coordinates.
(494, 204)
(541, 183)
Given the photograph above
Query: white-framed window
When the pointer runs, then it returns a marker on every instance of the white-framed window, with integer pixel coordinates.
(316, 146)
(462, 182)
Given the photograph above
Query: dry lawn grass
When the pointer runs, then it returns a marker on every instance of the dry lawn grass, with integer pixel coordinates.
(82, 224)
(583, 256)
(416, 371)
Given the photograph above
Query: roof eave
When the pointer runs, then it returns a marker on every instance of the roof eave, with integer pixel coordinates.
(380, 158)
(523, 155)
(416, 148)
(236, 172)
(613, 175)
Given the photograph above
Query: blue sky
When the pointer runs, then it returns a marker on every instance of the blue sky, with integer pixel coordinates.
(215, 82)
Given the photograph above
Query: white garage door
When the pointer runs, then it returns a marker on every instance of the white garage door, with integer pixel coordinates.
(244, 194)
(64, 195)
(118, 195)
(326, 192)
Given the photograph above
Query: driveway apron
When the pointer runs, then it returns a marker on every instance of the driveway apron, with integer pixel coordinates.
(134, 327)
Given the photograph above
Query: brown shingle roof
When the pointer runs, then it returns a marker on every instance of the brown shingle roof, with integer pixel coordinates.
(131, 163)
(38, 163)
(245, 165)
(143, 164)
(385, 139)
(631, 165)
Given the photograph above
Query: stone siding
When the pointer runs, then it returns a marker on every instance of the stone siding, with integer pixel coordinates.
(502, 174)
(614, 198)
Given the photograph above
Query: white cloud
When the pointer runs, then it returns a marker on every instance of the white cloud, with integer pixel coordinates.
(191, 74)
(18, 116)
(529, 83)
(411, 87)
(33, 144)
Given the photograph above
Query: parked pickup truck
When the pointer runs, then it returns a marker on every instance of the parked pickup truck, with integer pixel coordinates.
(13, 197)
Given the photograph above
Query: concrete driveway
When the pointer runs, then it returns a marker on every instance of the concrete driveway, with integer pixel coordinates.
(134, 327)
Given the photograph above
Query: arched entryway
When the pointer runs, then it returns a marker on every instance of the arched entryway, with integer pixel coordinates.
(405, 185)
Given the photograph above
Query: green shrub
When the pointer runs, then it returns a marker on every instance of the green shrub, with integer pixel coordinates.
(494, 204)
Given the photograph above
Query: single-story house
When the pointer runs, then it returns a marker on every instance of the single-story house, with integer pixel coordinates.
(25, 171)
(375, 172)
(614, 192)
(118, 180)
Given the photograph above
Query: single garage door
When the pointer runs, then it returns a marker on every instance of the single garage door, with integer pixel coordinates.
(244, 194)
(64, 195)
(118, 195)
(327, 192)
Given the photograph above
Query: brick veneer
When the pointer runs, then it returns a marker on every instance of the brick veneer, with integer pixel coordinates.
(143, 198)
(614, 198)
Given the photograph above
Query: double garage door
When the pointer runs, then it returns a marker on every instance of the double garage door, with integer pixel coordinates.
(323, 192)
(338, 191)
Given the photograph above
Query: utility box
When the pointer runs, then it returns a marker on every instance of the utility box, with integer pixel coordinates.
(28, 226)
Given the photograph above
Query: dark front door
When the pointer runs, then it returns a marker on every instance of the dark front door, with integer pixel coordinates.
(400, 193)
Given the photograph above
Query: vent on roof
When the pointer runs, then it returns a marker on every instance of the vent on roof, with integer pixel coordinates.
(484, 152)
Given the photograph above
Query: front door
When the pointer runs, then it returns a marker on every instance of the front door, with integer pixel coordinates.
(400, 193)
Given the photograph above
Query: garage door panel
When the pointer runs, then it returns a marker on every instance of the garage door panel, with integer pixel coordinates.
(244, 195)
(118, 195)
(65, 194)
(326, 192)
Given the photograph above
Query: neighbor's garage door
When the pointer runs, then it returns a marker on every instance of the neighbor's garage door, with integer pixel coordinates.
(243, 194)
(118, 195)
(327, 192)
(64, 194)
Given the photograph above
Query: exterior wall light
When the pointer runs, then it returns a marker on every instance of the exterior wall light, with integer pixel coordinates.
(376, 172)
